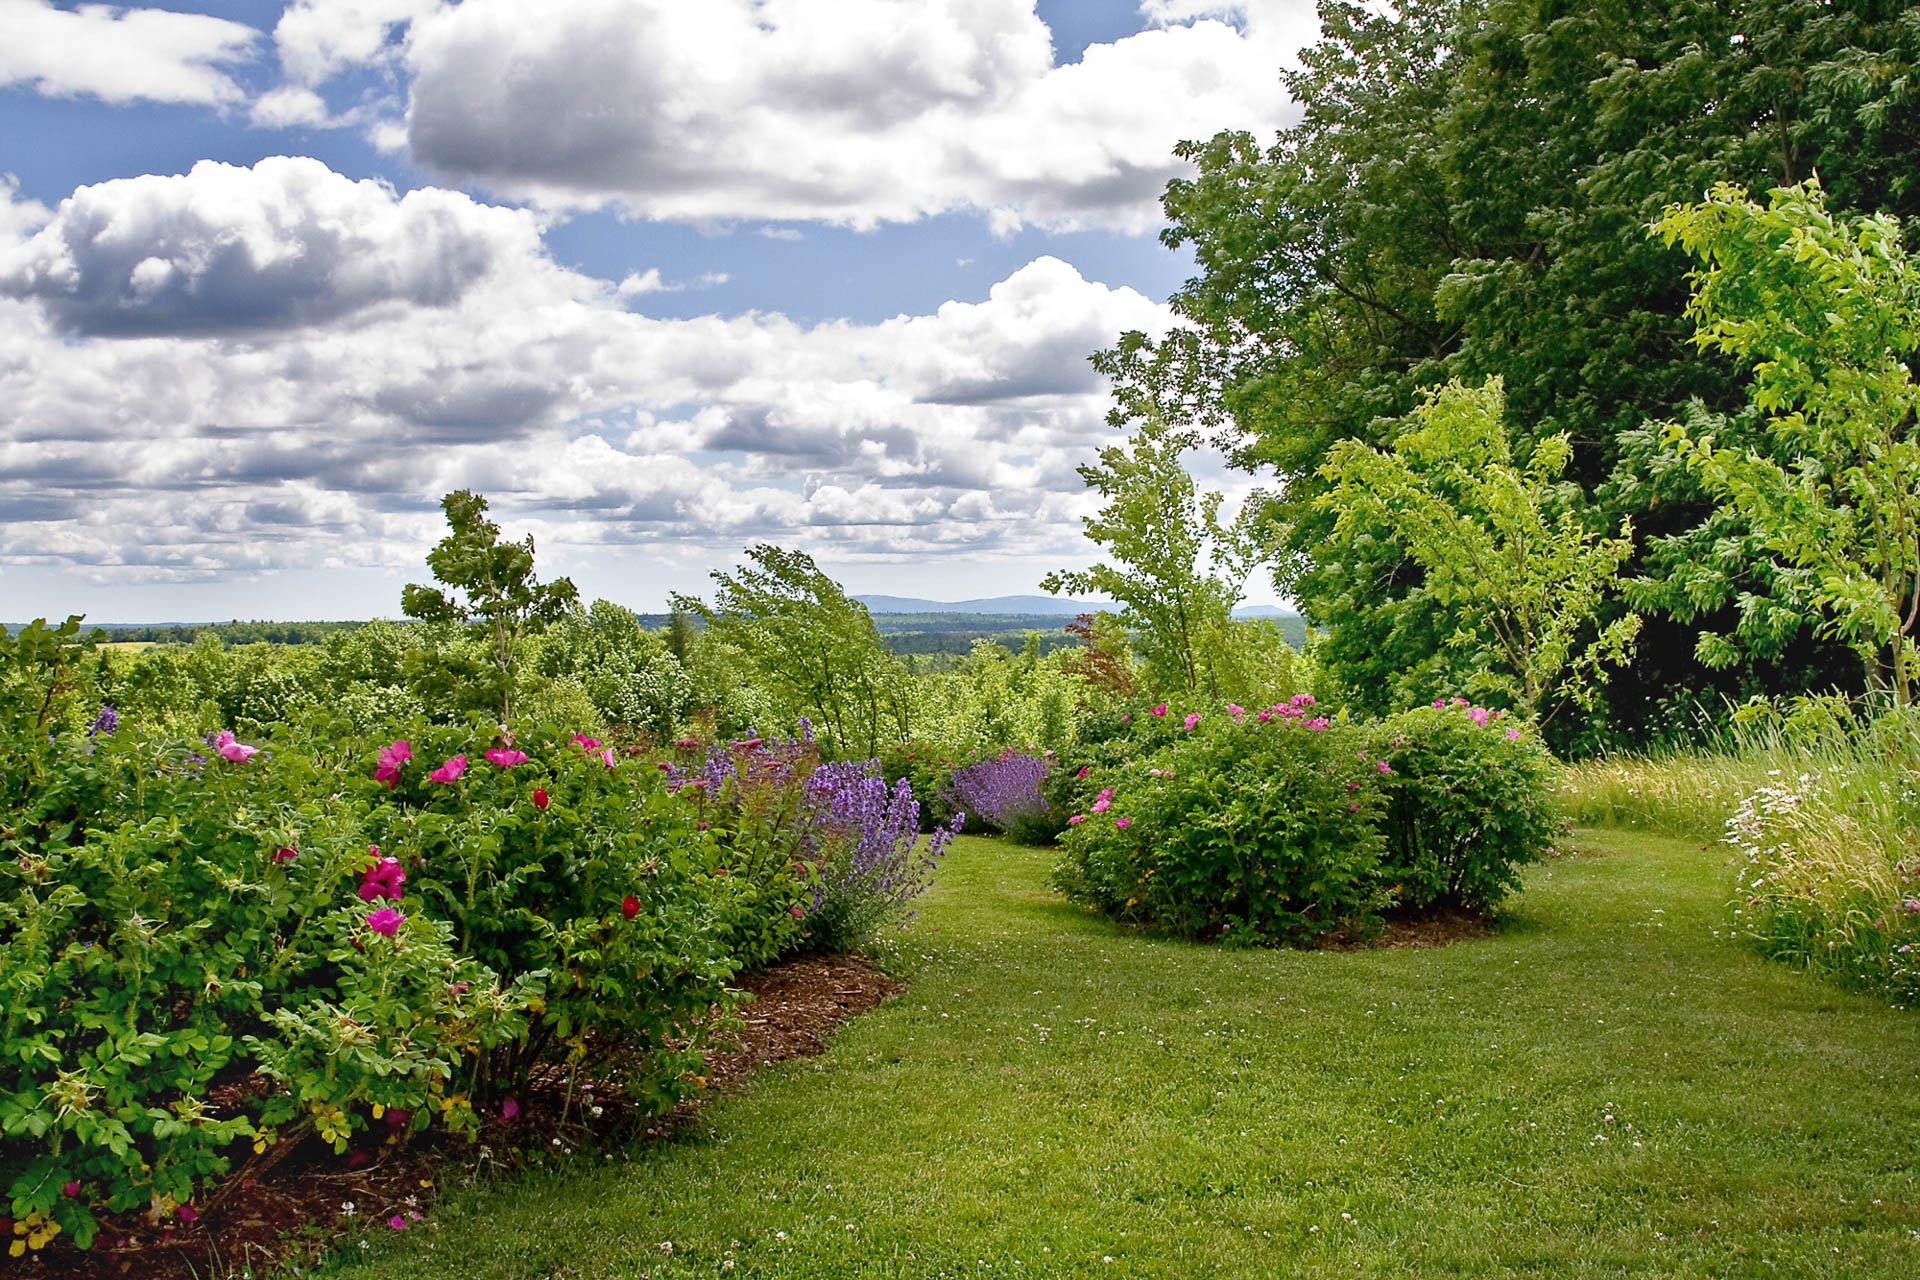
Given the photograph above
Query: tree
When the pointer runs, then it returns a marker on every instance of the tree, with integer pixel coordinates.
(813, 644)
(1463, 198)
(489, 587)
(1502, 551)
(1826, 312)
(1176, 570)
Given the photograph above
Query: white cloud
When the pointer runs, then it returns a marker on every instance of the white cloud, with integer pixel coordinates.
(229, 249)
(846, 111)
(247, 447)
(122, 54)
(640, 283)
(289, 106)
(316, 39)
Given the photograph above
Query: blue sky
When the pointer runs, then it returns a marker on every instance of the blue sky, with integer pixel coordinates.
(663, 280)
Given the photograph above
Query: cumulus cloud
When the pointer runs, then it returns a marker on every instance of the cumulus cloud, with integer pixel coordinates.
(225, 249)
(323, 430)
(289, 106)
(317, 39)
(122, 55)
(846, 111)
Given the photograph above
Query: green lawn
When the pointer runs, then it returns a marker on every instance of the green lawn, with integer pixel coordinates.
(1604, 1088)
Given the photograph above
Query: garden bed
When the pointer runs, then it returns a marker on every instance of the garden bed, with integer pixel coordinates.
(305, 1200)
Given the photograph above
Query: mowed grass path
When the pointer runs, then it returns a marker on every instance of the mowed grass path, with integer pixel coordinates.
(1603, 1088)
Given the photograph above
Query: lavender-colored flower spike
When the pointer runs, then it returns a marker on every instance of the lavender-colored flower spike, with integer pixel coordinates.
(106, 722)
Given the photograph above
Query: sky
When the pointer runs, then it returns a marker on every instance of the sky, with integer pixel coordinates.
(661, 279)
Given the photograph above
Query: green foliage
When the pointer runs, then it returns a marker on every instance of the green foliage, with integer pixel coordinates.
(1246, 830)
(810, 644)
(1470, 799)
(388, 950)
(629, 674)
(996, 699)
(1827, 314)
(1461, 199)
(1177, 571)
(1514, 579)
(151, 942)
(487, 584)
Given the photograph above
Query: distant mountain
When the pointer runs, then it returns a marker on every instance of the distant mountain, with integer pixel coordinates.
(1024, 605)
(1264, 611)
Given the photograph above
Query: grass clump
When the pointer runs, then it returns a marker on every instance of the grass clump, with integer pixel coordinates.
(1822, 809)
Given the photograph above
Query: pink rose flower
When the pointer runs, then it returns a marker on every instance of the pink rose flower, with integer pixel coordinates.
(450, 771)
(1160, 710)
(1076, 819)
(385, 921)
(505, 757)
(391, 757)
(1193, 718)
(585, 743)
(229, 749)
(1123, 823)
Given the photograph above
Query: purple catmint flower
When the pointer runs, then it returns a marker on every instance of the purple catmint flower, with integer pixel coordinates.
(106, 722)
(839, 816)
(1007, 791)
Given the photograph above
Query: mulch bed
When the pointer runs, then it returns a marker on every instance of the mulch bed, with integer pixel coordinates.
(1421, 932)
(297, 1207)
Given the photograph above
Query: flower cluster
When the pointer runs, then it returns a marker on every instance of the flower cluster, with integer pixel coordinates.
(382, 879)
(1007, 791)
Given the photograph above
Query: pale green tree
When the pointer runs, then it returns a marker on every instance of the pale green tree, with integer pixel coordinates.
(1505, 559)
(1175, 568)
(811, 644)
(1826, 312)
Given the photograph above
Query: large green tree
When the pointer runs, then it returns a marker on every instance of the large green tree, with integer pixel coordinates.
(1465, 197)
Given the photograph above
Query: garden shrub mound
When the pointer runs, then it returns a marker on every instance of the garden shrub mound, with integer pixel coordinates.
(1287, 826)
(213, 949)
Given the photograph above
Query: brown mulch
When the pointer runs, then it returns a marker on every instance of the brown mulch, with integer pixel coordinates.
(292, 1206)
(1422, 932)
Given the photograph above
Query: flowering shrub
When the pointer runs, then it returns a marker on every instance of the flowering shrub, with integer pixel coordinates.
(1249, 828)
(929, 771)
(386, 933)
(1469, 800)
(1282, 823)
(752, 795)
(1008, 791)
(149, 942)
(527, 845)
